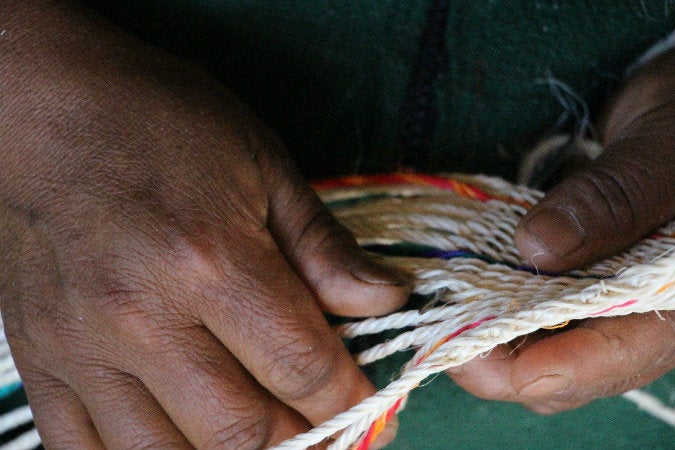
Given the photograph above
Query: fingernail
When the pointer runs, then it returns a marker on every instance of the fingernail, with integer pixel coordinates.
(557, 230)
(546, 385)
(372, 272)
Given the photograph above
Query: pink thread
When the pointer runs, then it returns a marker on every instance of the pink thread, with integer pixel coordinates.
(376, 427)
(622, 305)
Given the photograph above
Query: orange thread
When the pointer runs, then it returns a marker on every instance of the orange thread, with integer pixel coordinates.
(665, 287)
(376, 427)
(555, 327)
(463, 189)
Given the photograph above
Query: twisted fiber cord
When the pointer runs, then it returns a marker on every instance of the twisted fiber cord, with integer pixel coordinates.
(613, 297)
(26, 441)
(459, 231)
(479, 304)
(652, 405)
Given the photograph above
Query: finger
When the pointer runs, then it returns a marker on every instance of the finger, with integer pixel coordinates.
(653, 84)
(591, 215)
(60, 417)
(489, 376)
(627, 192)
(126, 416)
(387, 435)
(343, 278)
(559, 371)
(269, 320)
(599, 358)
(202, 388)
(29, 284)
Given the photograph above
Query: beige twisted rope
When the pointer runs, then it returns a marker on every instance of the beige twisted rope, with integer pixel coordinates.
(457, 237)
(483, 297)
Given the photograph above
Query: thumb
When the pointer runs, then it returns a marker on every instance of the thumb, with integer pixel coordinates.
(627, 192)
(344, 279)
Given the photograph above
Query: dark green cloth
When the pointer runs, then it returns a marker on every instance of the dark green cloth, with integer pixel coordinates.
(330, 76)
(441, 416)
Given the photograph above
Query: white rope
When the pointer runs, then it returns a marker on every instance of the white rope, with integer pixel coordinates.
(489, 334)
(483, 296)
(484, 304)
(26, 441)
(15, 419)
(651, 405)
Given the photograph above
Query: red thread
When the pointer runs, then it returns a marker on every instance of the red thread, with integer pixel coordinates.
(622, 305)
(461, 188)
(380, 423)
(376, 427)
(454, 335)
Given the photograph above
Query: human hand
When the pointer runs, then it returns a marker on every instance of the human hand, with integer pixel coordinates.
(163, 267)
(627, 192)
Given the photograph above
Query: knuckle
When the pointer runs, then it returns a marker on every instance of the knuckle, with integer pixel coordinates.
(246, 433)
(302, 368)
(615, 387)
(149, 441)
(44, 336)
(662, 338)
(664, 361)
(322, 230)
(614, 193)
(135, 322)
(614, 342)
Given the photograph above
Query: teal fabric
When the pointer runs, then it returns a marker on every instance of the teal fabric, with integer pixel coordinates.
(441, 416)
(330, 76)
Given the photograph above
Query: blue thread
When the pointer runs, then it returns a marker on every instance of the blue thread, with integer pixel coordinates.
(412, 250)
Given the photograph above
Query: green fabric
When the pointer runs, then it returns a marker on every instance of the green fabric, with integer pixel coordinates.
(441, 416)
(330, 76)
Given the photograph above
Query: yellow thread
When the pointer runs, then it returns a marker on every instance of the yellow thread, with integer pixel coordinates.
(665, 287)
(560, 325)
(379, 425)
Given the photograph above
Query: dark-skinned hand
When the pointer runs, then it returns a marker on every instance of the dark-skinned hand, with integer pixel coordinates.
(163, 267)
(627, 192)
